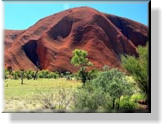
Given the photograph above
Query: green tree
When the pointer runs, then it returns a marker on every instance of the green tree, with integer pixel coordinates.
(138, 67)
(115, 83)
(103, 93)
(80, 59)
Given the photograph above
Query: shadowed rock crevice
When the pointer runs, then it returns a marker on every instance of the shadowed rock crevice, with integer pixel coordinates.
(61, 29)
(109, 30)
(30, 50)
(132, 30)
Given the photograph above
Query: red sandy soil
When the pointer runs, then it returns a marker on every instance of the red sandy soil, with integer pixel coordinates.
(49, 43)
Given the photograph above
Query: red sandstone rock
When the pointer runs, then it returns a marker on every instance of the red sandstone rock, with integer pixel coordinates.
(49, 43)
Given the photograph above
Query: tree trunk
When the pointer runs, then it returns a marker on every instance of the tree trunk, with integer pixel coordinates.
(22, 76)
(35, 76)
(113, 103)
(118, 103)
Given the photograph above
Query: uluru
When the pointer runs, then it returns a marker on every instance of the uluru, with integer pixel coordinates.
(48, 44)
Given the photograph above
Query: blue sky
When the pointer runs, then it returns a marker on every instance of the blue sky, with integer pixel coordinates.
(22, 15)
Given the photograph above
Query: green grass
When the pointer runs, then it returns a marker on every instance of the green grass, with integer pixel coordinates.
(40, 94)
(52, 95)
(14, 88)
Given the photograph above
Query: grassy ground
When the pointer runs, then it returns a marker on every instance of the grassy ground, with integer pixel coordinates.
(39, 95)
(52, 95)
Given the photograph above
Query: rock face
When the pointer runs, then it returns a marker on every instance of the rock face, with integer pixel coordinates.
(49, 43)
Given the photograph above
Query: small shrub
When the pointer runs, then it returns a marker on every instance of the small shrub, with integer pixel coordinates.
(40, 75)
(50, 75)
(59, 101)
(89, 101)
(138, 96)
(47, 74)
(29, 74)
(16, 75)
(6, 74)
(92, 74)
(127, 103)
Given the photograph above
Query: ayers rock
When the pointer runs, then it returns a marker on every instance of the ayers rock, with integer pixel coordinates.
(49, 43)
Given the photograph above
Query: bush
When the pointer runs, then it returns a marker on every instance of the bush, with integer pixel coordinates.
(59, 101)
(138, 96)
(131, 102)
(138, 67)
(53, 75)
(114, 83)
(92, 74)
(127, 103)
(103, 93)
(29, 74)
(47, 74)
(16, 74)
(66, 75)
(6, 74)
(89, 101)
